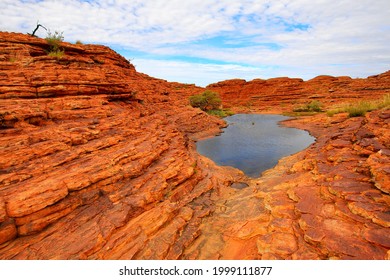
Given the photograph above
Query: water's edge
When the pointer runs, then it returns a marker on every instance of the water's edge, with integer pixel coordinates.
(254, 143)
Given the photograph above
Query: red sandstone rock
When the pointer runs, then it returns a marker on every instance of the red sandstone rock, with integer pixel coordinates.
(78, 146)
(7, 231)
(98, 161)
(285, 94)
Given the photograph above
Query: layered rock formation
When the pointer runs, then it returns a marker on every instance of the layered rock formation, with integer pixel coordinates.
(98, 161)
(330, 201)
(285, 94)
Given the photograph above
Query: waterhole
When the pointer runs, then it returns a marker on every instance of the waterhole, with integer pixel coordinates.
(254, 143)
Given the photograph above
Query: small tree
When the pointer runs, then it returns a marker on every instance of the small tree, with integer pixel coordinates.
(206, 101)
(198, 101)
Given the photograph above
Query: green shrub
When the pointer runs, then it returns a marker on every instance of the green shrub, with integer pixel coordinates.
(206, 101)
(221, 113)
(198, 101)
(361, 108)
(385, 102)
(332, 112)
(56, 54)
(314, 106)
(299, 114)
(54, 40)
(211, 103)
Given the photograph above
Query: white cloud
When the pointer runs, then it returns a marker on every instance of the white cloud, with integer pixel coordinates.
(200, 73)
(203, 74)
(312, 36)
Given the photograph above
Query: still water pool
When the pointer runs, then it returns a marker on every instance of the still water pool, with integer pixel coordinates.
(254, 143)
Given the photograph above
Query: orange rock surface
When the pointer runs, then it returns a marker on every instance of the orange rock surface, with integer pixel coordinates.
(98, 161)
(330, 201)
(285, 94)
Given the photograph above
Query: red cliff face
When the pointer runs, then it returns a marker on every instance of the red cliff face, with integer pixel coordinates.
(98, 161)
(284, 94)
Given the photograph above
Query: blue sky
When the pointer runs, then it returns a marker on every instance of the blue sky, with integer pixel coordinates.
(203, 42)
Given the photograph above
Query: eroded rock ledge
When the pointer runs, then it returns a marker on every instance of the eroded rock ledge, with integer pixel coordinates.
(97, 161)
(330, 201)
(284, 94)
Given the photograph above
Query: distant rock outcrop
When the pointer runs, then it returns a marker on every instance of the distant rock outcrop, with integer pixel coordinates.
(98, 161)
(283, 94)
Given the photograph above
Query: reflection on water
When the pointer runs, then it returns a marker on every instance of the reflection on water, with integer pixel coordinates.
(254, 143)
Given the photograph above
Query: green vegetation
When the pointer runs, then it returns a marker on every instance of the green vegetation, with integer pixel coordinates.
(211, 103)
(54, 40)
(314, 106)
(57, 54)
(221, 113)
(309, 109)
(362, 107)
(194, 166)
(298, 114)
(208, 100)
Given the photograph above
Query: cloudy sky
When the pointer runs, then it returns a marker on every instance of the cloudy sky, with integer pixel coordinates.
(205, 41)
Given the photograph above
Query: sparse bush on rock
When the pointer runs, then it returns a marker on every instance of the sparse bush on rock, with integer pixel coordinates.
(314, 106)
(360, 108)
(221, 113)
(54, 40)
